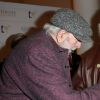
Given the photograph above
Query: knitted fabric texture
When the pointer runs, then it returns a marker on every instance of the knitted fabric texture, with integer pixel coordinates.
(72, 22)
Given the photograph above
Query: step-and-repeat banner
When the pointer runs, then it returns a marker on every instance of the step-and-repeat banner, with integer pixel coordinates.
(19, 18)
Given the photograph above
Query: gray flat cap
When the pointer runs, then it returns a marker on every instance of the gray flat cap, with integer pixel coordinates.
(72, 22)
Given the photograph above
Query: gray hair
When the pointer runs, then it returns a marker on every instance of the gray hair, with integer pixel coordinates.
(51, 29)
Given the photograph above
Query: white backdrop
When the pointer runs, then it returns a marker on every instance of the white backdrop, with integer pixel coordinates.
(18, 18)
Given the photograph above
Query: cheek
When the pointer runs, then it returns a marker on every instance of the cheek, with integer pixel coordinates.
(73, 42)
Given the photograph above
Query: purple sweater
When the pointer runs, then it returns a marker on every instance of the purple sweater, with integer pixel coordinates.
(38, 69)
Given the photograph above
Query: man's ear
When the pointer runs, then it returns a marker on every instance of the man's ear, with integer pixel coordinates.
(61, 36)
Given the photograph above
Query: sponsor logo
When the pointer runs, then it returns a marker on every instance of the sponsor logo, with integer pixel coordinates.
(7, 12)
(4, 28)
(31, 14)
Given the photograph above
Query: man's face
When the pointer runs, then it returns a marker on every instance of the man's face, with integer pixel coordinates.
(70, 42)
(73, 42)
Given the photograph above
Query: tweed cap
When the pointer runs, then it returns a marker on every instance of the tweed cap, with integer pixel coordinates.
(72, 22)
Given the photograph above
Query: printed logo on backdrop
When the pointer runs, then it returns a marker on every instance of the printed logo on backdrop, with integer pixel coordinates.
(4, 28)
(7, 12)
(31, 14)
(17, 14)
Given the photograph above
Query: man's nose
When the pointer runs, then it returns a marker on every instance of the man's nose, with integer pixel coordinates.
(78, 44)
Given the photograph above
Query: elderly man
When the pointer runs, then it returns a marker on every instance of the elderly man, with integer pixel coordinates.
(38, 68)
